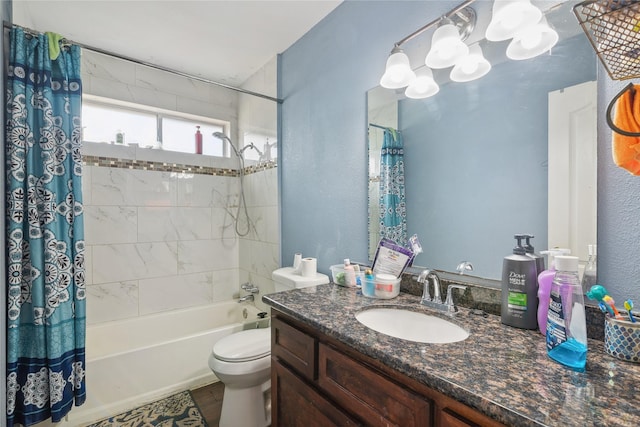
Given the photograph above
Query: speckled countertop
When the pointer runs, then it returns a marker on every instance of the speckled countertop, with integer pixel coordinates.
(501, 371)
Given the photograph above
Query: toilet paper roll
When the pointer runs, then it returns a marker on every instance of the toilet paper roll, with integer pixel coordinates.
(297, 260)
(308, 267)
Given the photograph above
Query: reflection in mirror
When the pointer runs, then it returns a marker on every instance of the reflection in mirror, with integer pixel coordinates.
(513, 152)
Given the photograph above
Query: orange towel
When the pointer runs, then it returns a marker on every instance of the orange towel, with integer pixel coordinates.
(626, 149)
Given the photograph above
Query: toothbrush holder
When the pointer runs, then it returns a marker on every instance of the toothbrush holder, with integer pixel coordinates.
(622, 339)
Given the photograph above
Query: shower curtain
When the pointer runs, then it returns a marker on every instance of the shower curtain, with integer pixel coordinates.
(393, 211)
(45, 236)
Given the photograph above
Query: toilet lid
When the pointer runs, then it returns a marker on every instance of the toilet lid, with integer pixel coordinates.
(244, 346)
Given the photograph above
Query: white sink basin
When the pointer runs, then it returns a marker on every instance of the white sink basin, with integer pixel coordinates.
(411, 326)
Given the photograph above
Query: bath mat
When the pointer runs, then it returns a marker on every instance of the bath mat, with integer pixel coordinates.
(178, 410)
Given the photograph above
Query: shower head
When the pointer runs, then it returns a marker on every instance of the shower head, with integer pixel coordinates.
(222, 136)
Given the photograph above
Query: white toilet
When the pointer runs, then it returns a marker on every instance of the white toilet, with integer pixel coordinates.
(242, 361)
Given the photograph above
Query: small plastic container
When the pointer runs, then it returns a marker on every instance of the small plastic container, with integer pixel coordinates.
(338, 276)
(382, 286)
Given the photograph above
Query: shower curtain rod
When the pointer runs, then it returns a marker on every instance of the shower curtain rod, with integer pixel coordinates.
(8, 25)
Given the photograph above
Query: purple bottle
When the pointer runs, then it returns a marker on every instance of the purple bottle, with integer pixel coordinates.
(544, 287)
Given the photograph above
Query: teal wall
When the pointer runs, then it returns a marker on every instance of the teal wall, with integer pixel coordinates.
(324, 79)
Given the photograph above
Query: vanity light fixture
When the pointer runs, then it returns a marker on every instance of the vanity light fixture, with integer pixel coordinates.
(471, 67)
(509, 17)
(423, 86)
(398, 72)
(457, 25)
(532, 41)
(447, 47)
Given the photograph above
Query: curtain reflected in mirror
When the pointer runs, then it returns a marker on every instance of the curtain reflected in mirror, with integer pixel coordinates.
(498, 156)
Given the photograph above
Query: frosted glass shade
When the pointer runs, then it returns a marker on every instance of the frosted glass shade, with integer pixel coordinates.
(446, 47)
(423, 86)
(509, 17)
(398, 72)
(532, 41)
(471, 67)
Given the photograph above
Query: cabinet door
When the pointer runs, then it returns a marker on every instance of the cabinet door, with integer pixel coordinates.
(296, 404)
(294, 348)
(371, 396)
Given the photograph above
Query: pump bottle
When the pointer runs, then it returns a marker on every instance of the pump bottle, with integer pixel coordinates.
(544, 286)
(590, 272)
(531, 252)
(519, 288)
(198, 141)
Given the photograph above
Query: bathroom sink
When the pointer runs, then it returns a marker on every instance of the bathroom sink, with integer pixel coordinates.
(411, 326)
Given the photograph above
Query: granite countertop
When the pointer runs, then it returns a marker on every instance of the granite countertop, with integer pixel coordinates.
(501, 371)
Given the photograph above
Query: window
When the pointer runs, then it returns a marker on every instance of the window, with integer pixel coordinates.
(264, 147)
(103, 121)
(179, 135)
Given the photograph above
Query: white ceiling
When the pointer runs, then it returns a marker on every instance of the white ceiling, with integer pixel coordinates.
(225, 41)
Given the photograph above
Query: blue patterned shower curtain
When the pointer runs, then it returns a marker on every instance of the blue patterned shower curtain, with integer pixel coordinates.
(393, 210)
(45, 237)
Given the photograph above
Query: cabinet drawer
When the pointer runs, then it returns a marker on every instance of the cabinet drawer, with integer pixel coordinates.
(450, 418)
(295, 404)
(368, 394)
(294, 347)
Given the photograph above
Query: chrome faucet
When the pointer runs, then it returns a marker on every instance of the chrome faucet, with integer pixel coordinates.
(424, 277)
(250, 288)
(450, 306)
(246, 298)
(464, 266)
(436, 303)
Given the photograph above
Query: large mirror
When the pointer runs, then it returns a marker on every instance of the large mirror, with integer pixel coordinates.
(513, 152)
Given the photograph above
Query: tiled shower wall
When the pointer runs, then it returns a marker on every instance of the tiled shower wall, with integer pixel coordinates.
(161, 240)
(157, 241)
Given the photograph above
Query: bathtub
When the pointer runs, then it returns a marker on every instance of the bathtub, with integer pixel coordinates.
(133, 362)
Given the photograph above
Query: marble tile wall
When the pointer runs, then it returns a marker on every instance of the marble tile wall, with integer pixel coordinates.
(158, 241)
(260, 249)
(159, 225)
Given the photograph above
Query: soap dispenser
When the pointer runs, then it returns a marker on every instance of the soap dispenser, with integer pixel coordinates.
(590, 272)
(531, 252)
(519, 288)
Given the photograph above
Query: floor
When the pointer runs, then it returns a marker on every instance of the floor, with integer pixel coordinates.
(209, 400)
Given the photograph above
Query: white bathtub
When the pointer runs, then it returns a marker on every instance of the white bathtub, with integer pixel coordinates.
(133, 362)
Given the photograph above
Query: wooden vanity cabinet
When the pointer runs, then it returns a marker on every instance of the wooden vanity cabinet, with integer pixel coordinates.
(319, 381)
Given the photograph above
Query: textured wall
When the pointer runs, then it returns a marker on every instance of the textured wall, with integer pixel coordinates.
(324, 78)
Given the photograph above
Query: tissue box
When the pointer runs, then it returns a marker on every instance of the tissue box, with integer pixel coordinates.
(622, 339)
(382, 286)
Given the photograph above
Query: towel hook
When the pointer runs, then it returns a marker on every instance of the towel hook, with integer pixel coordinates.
(610, 108)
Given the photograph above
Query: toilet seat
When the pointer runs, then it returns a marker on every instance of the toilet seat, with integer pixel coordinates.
(244, 346)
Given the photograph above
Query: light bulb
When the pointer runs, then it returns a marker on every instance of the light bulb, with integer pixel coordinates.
(398, 72)
(469, 66)
(531, 39)
(423, 86)
(508, 16)
(446, 47)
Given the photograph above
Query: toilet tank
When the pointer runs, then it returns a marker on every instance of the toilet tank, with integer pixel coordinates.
(287, 278)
